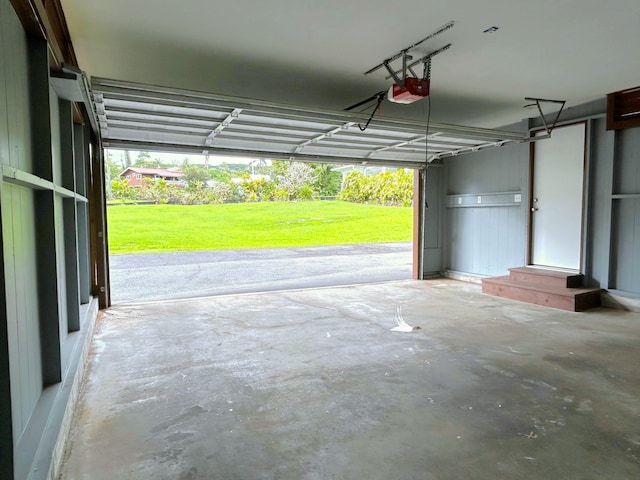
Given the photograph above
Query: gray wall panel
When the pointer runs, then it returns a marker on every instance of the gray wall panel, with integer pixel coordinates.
(627, 168)
(18, 226)
(83, 253)
(626, 245)
(72, 284)
(489, 171)
(48, 304)
(625, 234)
(81, 156)
(61, 267)
(599, 201)
(4, 70)
(15, 59)
(12, 308)
(39, 254)
(10, 419)
(39, 107)
(56, 147)
(21, 290)
(432, 251)
(487, 240)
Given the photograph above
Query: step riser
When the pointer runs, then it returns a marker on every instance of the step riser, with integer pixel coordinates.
(523, 295)
(551, 282)
(574, 303)
(570, 281)
(588, 300)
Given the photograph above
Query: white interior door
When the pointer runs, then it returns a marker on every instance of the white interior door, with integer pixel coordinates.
(557, 198)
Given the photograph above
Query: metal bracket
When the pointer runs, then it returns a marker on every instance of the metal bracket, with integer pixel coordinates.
(393, 74)
(400, 80)
(537, 102)
(404, 51)
(423, 60)
(426, 74)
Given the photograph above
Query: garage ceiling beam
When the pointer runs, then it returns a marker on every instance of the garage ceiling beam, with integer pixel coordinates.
(168, 147)
(401, 144)
(208, 141)
(134, 116)
(140, 113)
(188, 99)
(380, 125)
(322, 136)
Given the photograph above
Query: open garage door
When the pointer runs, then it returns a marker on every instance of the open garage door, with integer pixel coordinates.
(145, 117)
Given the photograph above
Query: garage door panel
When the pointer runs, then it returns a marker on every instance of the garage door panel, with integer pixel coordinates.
(157, 118)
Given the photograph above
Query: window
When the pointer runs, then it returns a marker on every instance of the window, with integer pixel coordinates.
(138, 176)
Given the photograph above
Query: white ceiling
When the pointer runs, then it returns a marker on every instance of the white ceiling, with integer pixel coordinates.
(314, 52)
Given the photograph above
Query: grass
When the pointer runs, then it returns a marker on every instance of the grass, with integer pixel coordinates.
(170, 228)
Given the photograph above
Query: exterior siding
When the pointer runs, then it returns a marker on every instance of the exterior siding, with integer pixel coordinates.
(134, 181)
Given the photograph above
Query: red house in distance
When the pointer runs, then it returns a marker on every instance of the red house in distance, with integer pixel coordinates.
(136, 175)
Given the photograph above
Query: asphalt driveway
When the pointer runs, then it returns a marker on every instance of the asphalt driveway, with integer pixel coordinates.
(163, 276)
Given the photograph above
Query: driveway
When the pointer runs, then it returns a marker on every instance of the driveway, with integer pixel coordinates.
(163, 276)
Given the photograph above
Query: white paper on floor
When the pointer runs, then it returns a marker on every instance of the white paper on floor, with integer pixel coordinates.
(402, 325)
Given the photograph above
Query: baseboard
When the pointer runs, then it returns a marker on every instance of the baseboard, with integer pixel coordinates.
(613, 299)
(463, 277)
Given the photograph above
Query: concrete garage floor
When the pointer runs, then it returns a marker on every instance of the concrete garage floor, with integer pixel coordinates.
(311, 384)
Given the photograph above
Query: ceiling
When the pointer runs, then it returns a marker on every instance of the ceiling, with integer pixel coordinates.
(314, 53)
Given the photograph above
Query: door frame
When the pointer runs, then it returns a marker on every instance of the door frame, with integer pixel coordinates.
(585, 165)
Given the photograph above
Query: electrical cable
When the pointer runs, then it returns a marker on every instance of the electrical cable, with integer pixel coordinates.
(424, 193)
(426, 151)
(381, 97)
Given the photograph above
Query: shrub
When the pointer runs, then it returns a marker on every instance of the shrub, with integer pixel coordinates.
(386, 188)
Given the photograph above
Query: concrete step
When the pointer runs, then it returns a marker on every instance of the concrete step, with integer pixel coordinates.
(571, 299)
(546, 277)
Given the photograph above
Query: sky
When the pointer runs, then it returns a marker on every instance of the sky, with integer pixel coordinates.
(178, 158)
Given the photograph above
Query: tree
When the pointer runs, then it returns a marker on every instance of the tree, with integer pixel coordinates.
(195, 176)
(328, 181)
(112, 167)
(279, 167)
(143, 158)
(111, 170)
(220, 174)
(297, 181)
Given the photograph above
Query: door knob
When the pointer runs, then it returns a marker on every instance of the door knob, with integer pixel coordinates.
(534, 209)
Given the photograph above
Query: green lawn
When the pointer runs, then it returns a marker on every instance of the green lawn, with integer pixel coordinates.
(168, 228)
